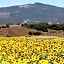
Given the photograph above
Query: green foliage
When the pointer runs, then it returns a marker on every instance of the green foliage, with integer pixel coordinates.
(44, 26)
(3, 26)
(34, 33)
(7, 35)
(7, 26)
(30, 33)
(42, 56)
(0, 27)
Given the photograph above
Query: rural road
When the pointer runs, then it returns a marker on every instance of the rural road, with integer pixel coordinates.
(44, 37)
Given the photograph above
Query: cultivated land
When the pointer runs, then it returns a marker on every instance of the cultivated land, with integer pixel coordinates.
(16, 30)
(31, 50)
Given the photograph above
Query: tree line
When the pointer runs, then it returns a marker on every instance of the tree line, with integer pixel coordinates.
(44, 26)
(4, 26)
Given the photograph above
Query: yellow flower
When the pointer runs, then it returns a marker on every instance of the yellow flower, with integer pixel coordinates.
(55, 62)
(21, 50)
(43, 62)
(3, 53)
(3, 62)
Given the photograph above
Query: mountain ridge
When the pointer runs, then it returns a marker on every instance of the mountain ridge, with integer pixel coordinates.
(32, 13)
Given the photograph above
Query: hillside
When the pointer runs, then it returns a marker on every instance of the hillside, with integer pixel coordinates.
(32, 13)
(16, 30)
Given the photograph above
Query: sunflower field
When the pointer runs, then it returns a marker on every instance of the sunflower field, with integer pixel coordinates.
(26, 50)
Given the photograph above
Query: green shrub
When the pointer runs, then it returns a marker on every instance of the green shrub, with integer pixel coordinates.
(3, 26)
(7, 35)
(7, 26)
(36, 33)
(30, 33)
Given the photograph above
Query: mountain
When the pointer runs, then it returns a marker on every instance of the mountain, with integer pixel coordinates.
(32, 13)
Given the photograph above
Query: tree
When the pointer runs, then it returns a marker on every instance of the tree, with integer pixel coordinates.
(63, 28)
(7, 26)
(30, 33)
(36, 33)
(3, 26)
(7, 35)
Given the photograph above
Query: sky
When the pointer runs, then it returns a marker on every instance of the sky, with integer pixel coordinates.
(7, 3)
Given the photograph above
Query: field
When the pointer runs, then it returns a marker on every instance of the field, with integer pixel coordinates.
(31, 50)
(16, 30)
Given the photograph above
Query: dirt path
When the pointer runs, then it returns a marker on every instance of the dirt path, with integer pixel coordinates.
(44, 37)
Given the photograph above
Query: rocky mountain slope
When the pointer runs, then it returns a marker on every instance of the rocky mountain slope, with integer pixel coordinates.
(32, 13)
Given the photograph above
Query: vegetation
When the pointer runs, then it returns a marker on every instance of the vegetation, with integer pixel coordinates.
(7, 35)
(27, 50)
(34, 33)
(44, 26)
(30, 33)
(4, 26)
(34, 13)
(7, 25)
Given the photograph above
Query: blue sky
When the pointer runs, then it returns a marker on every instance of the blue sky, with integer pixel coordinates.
(6, 3)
